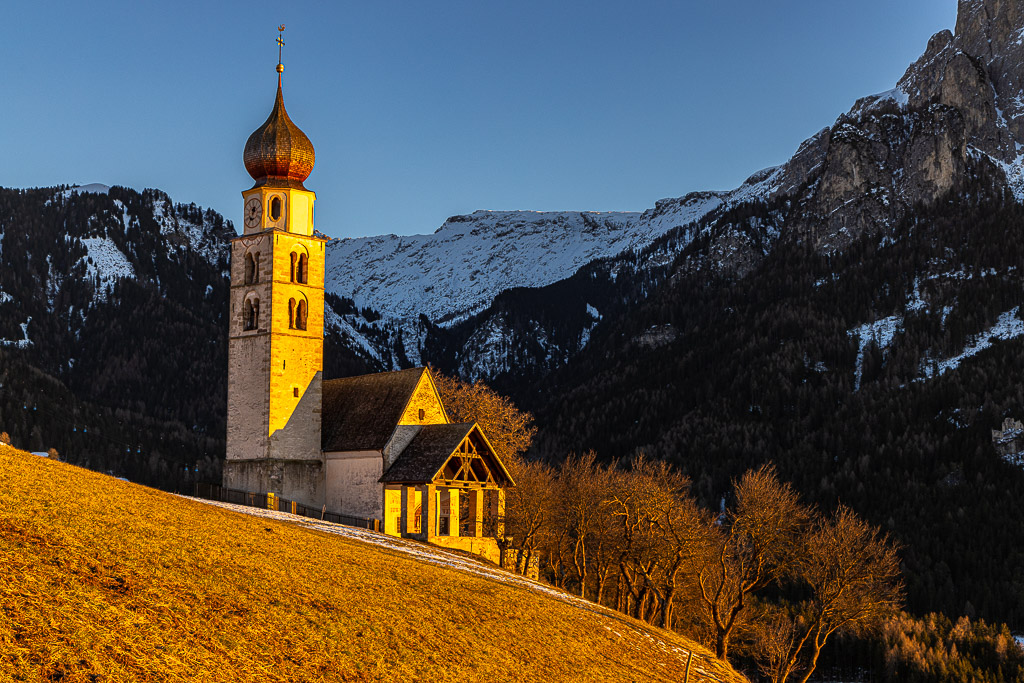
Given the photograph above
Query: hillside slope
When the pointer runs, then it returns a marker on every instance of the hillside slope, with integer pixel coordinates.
(106, 580)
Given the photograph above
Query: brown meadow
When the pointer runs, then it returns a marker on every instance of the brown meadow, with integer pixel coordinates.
(103, 580)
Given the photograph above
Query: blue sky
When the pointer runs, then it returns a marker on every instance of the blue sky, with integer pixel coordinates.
(421, 110)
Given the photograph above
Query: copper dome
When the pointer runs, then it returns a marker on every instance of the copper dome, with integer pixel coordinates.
(278, 154)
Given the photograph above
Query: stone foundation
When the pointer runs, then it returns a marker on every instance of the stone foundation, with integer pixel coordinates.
(298, 480)
(486, 548)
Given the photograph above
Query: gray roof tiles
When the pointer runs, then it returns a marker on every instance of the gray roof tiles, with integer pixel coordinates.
(361, 413)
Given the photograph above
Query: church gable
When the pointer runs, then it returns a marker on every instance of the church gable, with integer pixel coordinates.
(424, 405)
(474, 463)
(456, 455)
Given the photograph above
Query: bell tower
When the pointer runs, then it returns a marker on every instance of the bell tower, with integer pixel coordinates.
(275, 336)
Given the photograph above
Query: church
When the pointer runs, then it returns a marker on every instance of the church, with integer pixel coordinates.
(378, 446)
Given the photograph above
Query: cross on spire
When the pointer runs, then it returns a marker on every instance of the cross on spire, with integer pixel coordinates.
(280, 45)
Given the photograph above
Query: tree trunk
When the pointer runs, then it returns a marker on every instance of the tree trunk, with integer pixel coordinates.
(814, 661)
(721, 645)
(666, 608)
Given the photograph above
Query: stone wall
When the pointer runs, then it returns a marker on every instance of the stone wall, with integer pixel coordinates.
(485, 547)
(248, 356)
(275, 393)
(298, 480)
(353, 486)
(299, 437)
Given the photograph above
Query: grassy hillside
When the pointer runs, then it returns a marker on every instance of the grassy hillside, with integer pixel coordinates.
(103, 580)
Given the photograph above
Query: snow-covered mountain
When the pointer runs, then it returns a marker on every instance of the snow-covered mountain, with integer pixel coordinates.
(955, 116)
(457, 271)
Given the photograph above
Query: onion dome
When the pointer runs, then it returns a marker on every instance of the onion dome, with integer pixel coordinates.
(278, 154)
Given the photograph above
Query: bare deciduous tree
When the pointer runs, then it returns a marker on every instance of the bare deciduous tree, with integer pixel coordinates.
(661, 531)
(583, 492)
(509, 429)
(529, 509)
(851, 571)
(754, 544)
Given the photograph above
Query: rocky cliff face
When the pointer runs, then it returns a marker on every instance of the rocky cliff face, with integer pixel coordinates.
(955, 113)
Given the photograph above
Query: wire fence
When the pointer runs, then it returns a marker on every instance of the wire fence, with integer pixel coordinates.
(271, 501)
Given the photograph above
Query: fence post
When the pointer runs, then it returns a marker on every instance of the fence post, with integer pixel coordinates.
(376, 525)
(294, 507)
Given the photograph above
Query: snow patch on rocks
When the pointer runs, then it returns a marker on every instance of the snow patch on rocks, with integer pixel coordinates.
(22, 343)
(345, 328)
(881, 332)
(1008, 326)
(106, 262)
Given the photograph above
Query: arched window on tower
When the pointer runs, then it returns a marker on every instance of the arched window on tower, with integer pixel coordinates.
(251, 314)
(291, 313)
(300, 315)
(250, 268)
(302, 268)
(275, 209)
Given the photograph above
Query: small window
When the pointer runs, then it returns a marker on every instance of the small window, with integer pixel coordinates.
(251, 315)
(423, 414)
(250, 268)
(275, 209)
(300, 316)
(295, 392)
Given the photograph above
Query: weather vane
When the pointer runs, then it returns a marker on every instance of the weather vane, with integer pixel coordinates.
(280, 45)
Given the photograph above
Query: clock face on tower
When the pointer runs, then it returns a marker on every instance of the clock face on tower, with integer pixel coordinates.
(253, 212)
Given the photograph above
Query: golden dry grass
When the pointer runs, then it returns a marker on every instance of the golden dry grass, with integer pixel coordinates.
(102, 580)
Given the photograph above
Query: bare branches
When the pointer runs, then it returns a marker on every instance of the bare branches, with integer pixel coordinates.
(633, 537)
(754, 545)
(851, 572)
(509, 429)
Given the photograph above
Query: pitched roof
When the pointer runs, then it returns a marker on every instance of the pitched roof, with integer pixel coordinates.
(427, 453)
(429, 450)
(360, 413)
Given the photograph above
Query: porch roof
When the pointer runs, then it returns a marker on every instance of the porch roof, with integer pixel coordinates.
(422, 460)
